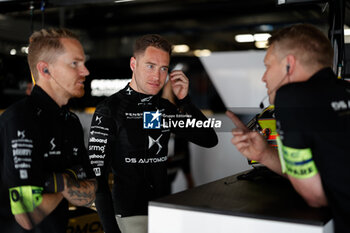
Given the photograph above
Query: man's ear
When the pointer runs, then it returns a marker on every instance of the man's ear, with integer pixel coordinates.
(291, 60)
(43, 69)
(132, 63)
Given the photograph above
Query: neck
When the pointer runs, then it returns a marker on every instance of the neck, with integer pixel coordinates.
(133, 84)
(54, 94)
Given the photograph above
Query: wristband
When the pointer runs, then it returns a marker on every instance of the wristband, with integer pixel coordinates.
(25, 199)
(54, 183)
(76, 173)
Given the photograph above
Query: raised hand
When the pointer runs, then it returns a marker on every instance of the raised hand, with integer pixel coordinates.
(179, 84)
(250, 143)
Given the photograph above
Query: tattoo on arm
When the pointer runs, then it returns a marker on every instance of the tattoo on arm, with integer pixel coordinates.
(81, 192)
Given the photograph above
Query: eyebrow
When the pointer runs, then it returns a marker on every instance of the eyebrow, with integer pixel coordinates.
(151, 63)
(79, 58)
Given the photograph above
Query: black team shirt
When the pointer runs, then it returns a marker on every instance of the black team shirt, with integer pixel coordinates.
(37, 137)
(136, 156)
(316, 114)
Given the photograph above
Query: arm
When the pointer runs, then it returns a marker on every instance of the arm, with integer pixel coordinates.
(201, 136)
(311, 190)
(101, 145)
(104, 206)
(28, 205)
(253, 146)
(79, 192)
(49, 202)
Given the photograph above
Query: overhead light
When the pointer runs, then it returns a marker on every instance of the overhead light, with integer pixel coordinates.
(120, 1)
(24, 49)
(243, 38)
(261, 44)
(181, 48)
(13, 51)
(261, 36)
(265, 27)
(202, 52)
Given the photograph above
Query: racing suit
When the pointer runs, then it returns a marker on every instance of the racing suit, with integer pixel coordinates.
(37, 138)
(121, 141)
(315, 115)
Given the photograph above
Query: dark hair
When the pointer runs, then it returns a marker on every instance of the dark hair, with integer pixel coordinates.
(45, 45)
(154, 40)
(306, 42)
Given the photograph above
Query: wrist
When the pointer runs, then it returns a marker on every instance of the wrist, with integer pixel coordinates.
(268, 154)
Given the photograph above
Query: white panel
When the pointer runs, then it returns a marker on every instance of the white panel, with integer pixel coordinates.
(183, 221)
(237, 77)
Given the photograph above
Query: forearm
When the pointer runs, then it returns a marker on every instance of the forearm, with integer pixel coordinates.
(79, 192)
(311, 190)
(104, 206)
(202, 136)
(49, 203)
(106, 213)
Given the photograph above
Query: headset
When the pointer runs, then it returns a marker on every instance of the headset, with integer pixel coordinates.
(46, 71)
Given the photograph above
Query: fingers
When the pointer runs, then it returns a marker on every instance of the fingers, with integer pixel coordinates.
(177, 76)
(239, 136)
(179, 83)
(238, 123)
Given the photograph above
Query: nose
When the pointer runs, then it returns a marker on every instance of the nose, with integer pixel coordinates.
(84, 71)
(264, 78)
(156, 75)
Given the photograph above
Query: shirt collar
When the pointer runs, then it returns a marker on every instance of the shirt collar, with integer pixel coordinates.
(140, 97)
(44, 101)
(323, 74)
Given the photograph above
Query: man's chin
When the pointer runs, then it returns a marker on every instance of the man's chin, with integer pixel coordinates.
(79, 94)
(153, 91)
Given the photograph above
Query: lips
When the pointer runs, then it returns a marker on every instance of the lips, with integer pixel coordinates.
(154, 84)
(81, 82)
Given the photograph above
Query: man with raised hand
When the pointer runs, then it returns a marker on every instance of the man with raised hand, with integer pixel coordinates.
(312, 118)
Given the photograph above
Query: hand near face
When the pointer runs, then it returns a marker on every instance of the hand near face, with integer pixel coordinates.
(179, 83)
(250, 143)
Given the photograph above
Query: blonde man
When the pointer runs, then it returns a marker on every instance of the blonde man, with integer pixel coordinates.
(42, 149)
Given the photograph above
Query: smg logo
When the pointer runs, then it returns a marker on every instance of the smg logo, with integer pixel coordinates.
(151, 120)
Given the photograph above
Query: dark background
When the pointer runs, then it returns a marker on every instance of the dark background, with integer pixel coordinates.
(108, 29)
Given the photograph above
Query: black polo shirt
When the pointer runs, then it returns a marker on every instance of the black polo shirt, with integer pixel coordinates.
(316, 114)
(37, 137)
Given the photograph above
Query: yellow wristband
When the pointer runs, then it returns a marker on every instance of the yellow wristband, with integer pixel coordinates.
(25, 199)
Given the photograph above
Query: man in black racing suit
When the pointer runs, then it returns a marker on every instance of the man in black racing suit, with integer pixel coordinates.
(129, 134)
(42, 149)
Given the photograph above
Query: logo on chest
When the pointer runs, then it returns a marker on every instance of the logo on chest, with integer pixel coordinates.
(53, 148)
(151, 142)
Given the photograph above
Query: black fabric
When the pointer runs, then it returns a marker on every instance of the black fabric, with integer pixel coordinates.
(37, 138)
(136, 155)
(316, 114)
(178, 160)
